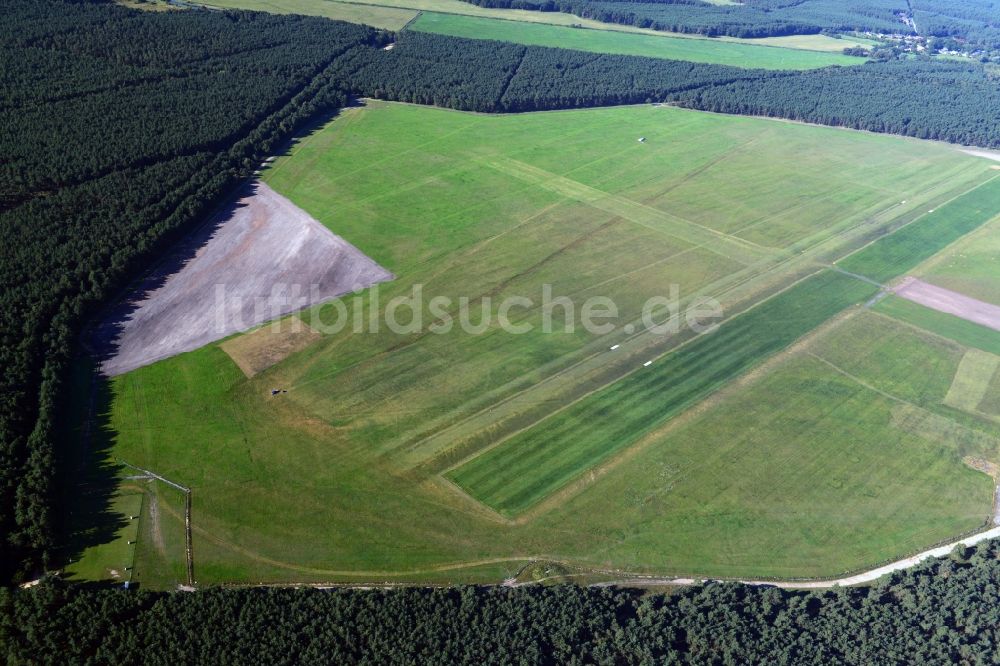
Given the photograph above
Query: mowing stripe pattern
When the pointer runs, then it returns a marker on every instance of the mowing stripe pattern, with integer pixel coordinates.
(524, 469)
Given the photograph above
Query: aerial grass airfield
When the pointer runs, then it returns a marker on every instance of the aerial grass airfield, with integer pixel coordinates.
(812, 395)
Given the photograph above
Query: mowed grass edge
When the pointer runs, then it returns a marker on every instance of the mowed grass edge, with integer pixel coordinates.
(623, 43)
(523, 470)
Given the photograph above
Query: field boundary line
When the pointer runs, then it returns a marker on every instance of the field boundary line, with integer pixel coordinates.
(857, 276)
(406, 26)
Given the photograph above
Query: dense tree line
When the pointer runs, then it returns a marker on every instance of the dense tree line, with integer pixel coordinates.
(947, 101)
(751, 18)
(119, 130)
(946, 611)
(930, 99)
(489, 76)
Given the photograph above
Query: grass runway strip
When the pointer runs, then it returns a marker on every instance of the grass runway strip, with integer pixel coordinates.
(528, 467)
(521, 471)
(915, 243)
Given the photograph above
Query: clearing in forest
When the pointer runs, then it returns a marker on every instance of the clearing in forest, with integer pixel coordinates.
(763, 449)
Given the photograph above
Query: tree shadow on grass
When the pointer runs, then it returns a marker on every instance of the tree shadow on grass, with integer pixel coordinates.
(90, 477)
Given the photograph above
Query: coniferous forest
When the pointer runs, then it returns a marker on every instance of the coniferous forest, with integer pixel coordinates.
(122, 129)
(946, 611)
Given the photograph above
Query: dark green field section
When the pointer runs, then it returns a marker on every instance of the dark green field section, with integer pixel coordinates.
(964, 332)
(524, 469)
(921, 240)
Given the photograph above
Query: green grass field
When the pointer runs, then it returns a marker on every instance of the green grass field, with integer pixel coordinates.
(949, 326)
(606, 41)
(969, 266)
(113, 560)
(530, 466)
(394, 14)
(927, 236)
(344, 477)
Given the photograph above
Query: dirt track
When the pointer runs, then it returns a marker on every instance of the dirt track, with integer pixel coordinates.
(260, 258)
(950, 302)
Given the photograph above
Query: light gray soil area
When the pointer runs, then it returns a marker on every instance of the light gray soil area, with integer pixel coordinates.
(950, 302)
(988, 154)
(258, 259)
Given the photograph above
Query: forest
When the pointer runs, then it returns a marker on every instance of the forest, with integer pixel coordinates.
(975, 22)
(752, 18)
(945, 611)
(488, 76)
(914, 98)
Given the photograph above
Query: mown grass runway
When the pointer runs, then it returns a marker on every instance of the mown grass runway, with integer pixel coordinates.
(526, 468)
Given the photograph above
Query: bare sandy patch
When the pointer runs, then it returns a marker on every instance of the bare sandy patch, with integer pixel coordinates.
(270, 344)
(987, 154)
(258, 259)
(950, 302)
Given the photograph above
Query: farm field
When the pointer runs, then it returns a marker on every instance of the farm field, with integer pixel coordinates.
(346, 477)
(949, 326)
(623, 43)
(395, 14)
(377, 16)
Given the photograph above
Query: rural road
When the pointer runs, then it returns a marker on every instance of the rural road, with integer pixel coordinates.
(856, 579)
